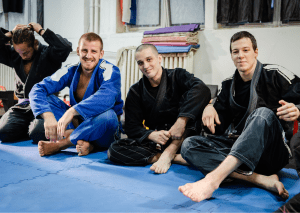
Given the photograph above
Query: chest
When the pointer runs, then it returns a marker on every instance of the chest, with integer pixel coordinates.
(27, 67)
(81, 87)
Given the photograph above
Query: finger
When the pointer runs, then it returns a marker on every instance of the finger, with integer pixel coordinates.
(53, 135)
(165, 138)
(47, 133)
(217, 119)
(167, 133)
(283, 102)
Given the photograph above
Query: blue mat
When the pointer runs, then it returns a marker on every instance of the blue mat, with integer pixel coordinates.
(67, 183)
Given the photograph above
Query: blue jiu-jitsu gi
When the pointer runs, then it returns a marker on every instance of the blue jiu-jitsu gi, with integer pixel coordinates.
(98, 109)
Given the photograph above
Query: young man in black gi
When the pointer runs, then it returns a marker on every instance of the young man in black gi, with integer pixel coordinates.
(32, 62)
(169, 101)
(246, 123)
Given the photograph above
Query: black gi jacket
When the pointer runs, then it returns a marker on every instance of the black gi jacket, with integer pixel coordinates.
(180, 95)
(47, 60)
(270, 84)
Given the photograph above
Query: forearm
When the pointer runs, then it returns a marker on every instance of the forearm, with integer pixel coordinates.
(47, 115)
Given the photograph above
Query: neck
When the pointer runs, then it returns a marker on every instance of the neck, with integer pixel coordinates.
(155, 81)
(247, 75)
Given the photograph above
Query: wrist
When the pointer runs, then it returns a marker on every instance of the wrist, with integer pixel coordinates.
(47, 115)
(73, 111)
(41, 31)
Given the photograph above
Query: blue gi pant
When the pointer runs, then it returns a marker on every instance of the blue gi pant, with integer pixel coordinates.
(260, 147)
(98, 130)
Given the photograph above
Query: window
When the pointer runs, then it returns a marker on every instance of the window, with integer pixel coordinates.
(153, 14)
(231, 13)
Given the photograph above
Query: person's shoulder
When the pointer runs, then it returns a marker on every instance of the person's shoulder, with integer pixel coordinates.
(108, 69)
(278, 70)
(228, 79)
(69, 68)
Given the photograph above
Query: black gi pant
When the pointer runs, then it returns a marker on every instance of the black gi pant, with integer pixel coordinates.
(18, 124)
(260, 147)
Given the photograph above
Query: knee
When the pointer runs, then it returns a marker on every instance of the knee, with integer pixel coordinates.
(263, 112)
(187, 145)
(109, 118)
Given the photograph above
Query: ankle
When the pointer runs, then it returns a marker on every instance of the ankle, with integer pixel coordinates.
(213, 181)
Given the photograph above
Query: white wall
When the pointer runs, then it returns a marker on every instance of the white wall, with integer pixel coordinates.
(212, 61)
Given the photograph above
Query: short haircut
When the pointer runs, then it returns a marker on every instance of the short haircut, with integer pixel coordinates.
(24, 35)
(91, 37)
(146, 46)
(243, 34)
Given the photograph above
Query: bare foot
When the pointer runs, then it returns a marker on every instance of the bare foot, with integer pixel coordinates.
(198, 191)
(84, 147)
(162, 165)
(48, 148)
(273, 184)
(179, 160)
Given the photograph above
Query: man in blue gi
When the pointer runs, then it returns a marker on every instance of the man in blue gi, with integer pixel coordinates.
(95, 98)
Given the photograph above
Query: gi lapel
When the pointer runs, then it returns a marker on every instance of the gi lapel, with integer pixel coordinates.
(159, 98)
(30, 80)
(232, 131)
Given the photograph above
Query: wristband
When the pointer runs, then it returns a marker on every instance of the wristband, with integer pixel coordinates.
(40, 31)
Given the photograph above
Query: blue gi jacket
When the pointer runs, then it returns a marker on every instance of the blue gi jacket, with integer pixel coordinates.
(103, 92)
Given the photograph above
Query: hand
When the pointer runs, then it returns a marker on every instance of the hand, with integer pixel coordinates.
(160, 137)
(50, 125)
(209, 117)
(35, 26)
(64, 121)
(19, 26)
(178, 128)
(288, 111)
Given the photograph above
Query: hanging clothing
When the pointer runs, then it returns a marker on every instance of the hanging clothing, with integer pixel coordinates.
(290, 10)
(1, 6)
(13, 6)
(243, 11)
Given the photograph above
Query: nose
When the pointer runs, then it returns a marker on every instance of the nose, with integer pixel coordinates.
(241, 54)
(146, 65)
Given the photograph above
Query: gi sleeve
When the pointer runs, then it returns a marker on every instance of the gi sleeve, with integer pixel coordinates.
(289, 86)
(196, 95)
(105, 97)
(222, 107)
(134, 116)
(59, 48)
(49, 85)
(5, 49)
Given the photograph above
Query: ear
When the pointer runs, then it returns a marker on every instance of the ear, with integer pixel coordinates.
(159, 58)
(256, 53)
(77, 50)
(101, 54)
(36, 44)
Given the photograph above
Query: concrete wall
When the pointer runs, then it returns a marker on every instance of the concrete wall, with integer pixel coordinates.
(212, 61)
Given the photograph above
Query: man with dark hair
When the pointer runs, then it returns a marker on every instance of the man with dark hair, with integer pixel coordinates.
(246, 125)
(95, 98)
(169, 101)
(32, 62)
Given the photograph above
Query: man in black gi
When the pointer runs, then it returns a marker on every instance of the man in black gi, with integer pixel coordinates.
(169, 101)
(32, 62)
(246, 123)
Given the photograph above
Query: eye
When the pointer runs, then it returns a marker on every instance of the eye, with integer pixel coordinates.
(149, 59)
